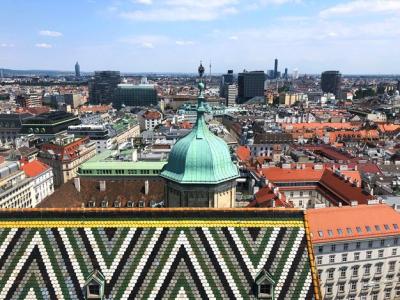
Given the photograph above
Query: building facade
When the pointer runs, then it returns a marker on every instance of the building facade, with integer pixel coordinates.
(357, 251)
(135, 95)
(331, 82)
(66, 155)
(103, 86)
(42, 180)
(250, 85)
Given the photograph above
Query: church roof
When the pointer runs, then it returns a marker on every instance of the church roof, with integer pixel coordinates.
(155, 253)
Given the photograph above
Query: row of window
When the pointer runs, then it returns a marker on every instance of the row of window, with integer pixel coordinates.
(121, 172)
(357, 245)
(359, 230)
(355, 270)
(353, 290)
(356, 256)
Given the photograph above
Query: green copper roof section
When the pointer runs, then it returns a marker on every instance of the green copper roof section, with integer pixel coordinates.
(200, 157)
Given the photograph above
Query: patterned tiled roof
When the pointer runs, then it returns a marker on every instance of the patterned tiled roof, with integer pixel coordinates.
(155, 254)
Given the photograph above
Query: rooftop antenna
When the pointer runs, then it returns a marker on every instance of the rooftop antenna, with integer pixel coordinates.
(210, 70)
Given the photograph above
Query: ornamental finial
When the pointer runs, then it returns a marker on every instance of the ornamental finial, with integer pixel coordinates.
(201, 70)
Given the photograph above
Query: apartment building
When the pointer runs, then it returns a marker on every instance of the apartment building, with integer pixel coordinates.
(65, 155)
(42, 180)
(357, 251)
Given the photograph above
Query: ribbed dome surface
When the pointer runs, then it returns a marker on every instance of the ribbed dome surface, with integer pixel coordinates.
(200, 158)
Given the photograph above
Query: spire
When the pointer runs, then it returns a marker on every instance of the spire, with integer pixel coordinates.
(200, 122)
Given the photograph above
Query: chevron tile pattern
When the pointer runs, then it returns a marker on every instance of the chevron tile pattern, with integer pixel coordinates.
(205, 262)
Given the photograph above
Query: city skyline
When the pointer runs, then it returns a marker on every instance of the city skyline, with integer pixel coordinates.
(355, 37)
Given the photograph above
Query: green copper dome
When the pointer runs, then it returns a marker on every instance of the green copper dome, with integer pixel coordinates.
(200, 157)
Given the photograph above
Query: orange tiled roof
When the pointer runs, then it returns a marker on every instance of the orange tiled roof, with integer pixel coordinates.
(316, 125)
(347, 222)
(276, 174)
(243, 153)
(34, 168)
(388, 127)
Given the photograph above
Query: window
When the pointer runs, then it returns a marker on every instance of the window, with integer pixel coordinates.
(395, 241)
(368, 229)
(330, 273)
(394, 251)
(343, 273)
(395, 226)
(392, 265)
(329, 289)
(319, 260)
(382, 242)
(356, 255)
(379, 269)
(353, 286)
(331, 259)
(319, 274)
(340, 231)
(320, 233)
(355, 271)
(344, 257)
(301, 194)
(358, 245)
(377, 228)
(367, 269)
(380, 253)
(370, 244)
(341, 288)
(349, 231)
(330, 233)
(265, 288)
(333, 247)
(320, 249)
(94, 290)
(369, 254)
(386, 226)
(358, 229)
(345, 247)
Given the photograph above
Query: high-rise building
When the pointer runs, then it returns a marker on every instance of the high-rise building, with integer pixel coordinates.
(276, 68)
(231, 94)
(135, 95)
(286, 73)
(250, 85)
(103, 86)
(77, 70)
(226, 80)
(398, 85)
(330, 82)
(295, 73)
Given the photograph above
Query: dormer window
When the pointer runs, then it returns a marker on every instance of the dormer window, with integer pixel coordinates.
(264, 286)
(94, 286)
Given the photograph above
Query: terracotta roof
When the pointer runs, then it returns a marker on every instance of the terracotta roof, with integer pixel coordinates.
(276, 174)
(34, 168)
(388, 127)
(358, 222)
(152, 115)
(243, 153)
(344, 190)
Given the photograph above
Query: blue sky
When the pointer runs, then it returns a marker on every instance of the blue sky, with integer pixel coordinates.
(353, 36)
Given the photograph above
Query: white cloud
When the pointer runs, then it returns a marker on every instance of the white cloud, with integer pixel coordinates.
(357, 7)
(184, 43)
(183, 10)
(233, 37)
(145, 2)
(6, 45)
(43, 45)
(50, 33)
